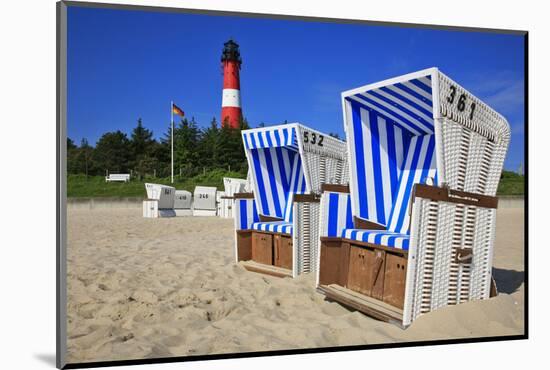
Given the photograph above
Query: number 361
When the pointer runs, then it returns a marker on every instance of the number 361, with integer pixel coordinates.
(461, 102)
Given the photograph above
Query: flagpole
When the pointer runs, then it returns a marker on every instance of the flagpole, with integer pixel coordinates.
(172, 137)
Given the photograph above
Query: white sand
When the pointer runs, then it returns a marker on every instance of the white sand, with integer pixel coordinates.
(141, 288)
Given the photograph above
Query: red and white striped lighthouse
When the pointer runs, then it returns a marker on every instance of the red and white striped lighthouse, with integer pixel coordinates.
(231, 97)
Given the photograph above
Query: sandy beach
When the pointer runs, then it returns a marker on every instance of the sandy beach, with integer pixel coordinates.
(142, 288)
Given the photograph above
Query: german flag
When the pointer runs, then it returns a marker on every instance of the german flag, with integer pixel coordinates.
(177, 110)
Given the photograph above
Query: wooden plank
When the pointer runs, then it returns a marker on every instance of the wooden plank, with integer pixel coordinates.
(244, 245)
(306, 198)
(262, 248)
(363, 303)
(366, 271)
(364, 244)
(264, 218)
(359, 272)
(329, 267)
(244, 195)
(337, 188)
(283, 251)
(266, 269)
(395, 277)
(454, 196)
(361, 223)
(378, 278)
(344, 265)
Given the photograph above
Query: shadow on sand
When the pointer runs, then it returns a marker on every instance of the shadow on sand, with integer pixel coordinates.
(508, 281)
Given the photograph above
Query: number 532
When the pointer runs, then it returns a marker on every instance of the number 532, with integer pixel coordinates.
(313, 138)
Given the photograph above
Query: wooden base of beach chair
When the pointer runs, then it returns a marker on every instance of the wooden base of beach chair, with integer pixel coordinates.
(374, 275)
(370, 306)
(244, 245)
(267, 269)
(265, 252)
(366, 277)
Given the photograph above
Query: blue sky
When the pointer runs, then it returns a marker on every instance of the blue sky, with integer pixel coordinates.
(124, 64)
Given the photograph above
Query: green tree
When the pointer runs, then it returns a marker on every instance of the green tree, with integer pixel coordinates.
(141, 144)
(79, 159)
(141, 140)
(160, 151)
(112, 153)
(208, 148)
(70, 144)
(72, 152)
(186, 143)
(85, 154)
(147, 165)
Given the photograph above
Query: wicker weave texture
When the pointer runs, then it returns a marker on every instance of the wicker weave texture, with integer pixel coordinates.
(438, 279)
(471, 162)
(324, 161)
(475, 140)
(306, 237)
(484, 120)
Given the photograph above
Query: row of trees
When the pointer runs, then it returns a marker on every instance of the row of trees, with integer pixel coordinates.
(195, 150)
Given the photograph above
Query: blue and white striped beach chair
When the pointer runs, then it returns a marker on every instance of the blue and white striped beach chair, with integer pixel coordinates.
(277, 226)
(415, 230)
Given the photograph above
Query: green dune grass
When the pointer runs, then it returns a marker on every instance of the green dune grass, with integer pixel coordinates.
(80, 186)
(95, 186)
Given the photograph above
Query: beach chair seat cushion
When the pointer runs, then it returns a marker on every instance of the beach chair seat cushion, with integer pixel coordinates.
(380, 237)
(282, 227)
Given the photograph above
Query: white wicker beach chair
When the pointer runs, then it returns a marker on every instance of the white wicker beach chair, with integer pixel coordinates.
(231, 186)
(415, 230)
(277, 224)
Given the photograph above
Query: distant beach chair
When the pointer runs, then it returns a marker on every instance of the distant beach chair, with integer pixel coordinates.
(183, 203)
(277, 224)
(159, 202)
(415, 229)
(205, 201)
(231, 186)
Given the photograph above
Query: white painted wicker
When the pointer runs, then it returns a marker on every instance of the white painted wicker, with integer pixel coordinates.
(324, 160)
(471, 141)
(326, 164)
(471, 151)
(306, 238)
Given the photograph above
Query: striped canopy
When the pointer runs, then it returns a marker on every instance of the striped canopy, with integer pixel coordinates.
(276, 168)
(272, 137)
(390, 130)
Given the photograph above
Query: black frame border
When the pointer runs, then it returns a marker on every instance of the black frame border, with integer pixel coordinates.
(61, 77)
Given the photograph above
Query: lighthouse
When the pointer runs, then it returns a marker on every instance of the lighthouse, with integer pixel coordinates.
(231, 96)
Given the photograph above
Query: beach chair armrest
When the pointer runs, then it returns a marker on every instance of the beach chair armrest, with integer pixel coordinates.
(335, 188)
(306, 198)
(361, 223)
(249, 195)
(454, 196)
(265, 218)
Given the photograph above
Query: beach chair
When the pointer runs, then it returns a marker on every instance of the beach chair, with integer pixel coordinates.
(415, 229)
(277, 223)
(231, 186)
